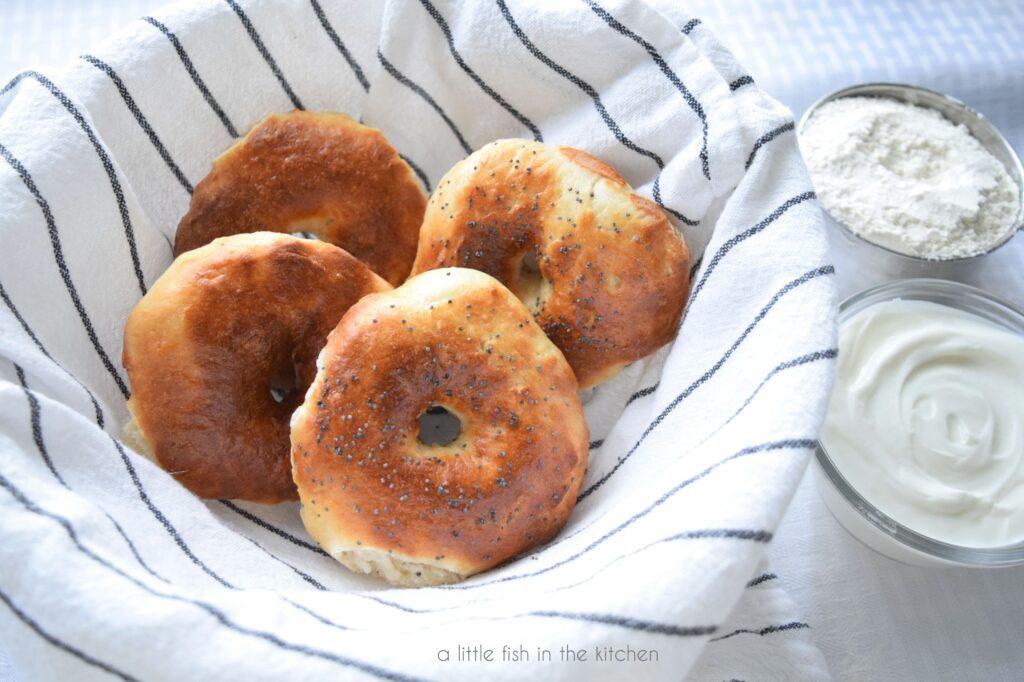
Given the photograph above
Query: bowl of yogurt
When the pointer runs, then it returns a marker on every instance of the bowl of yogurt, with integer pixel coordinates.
(922, 453)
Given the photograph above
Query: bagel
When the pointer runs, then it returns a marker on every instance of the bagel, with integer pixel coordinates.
(602, 270)
(383, 497)
(222, 327)
(321, 173)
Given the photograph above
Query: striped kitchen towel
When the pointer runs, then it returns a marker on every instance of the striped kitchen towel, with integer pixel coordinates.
(109, 569)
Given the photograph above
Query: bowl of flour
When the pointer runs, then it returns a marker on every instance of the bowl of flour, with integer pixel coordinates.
(913, 172)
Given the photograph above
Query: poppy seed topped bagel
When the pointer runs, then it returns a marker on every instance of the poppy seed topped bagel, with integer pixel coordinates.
(321, 173)
(601, 269)
(221, 351)
(387, 493)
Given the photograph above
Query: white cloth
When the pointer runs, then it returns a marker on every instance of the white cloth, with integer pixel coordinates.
(110, 568)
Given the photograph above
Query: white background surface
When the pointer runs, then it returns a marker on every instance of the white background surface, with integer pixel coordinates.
(873, 618)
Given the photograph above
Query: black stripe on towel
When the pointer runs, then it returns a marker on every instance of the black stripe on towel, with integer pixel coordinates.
(740, 82)
(794, 625)
(595, 97)
(210, 609)
(749, 232)
(24, 325)
(642, 393)
(806, 277)
(273, 529)
(827, 354)
(656, 193)
(265, 53)
(58, 256)
(766, 138)
(418, 171)
(309, 579)
(631, 623)
(721, 533)
(108, 166)
(36, 421)
(688, 97)
(302, 574)
(194, 75)
(703, 534)
(763, 578)
(581, 84)
(689, 26)
(333, 35)
(502, 102)
(801, 443)
(398, 76)
(11, 84)
(696, 266)
(35, 410)
(35, 339)
(326, 621)
(746, 535)
(159, 515)
(129, 102)
(77, 653)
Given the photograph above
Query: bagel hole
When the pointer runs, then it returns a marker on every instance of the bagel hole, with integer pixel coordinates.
(438, 426)
(282, 384)
(529, 281)
(312, 227)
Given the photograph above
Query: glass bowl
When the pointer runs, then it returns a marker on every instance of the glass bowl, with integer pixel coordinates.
(871, 263)
(862, 519)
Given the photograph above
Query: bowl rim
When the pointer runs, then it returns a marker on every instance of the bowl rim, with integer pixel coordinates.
(964, 298)
(885, 89)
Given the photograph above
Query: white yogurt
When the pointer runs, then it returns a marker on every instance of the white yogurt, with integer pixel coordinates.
(926, 421)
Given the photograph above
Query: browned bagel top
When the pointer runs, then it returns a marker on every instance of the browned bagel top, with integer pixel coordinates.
(203, 348)
(602, 269)
(321, 173)
(458, 339)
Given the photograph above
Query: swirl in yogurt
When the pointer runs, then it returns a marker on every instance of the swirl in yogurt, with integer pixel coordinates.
(926, 420)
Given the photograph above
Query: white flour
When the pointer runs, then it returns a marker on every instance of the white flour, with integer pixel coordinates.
(907, 178)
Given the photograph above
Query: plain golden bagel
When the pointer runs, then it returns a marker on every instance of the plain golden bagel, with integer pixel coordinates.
(383, 498)
(320, 173)
(220, 353)
(601, 269)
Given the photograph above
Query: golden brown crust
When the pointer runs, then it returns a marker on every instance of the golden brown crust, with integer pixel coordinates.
(611, 275)
(204, 346)
(321, 173)
(592, 164)
(370, 488)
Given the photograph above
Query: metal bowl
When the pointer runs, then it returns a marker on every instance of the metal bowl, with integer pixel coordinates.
(886, 263)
